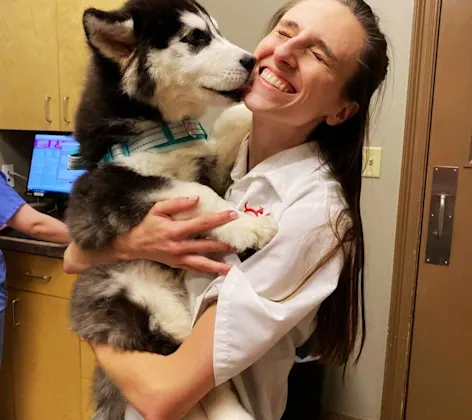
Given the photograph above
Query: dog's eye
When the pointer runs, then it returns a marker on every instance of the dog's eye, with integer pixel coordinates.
(197, 37)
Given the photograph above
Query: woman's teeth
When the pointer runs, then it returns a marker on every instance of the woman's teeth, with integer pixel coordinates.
(273, 80)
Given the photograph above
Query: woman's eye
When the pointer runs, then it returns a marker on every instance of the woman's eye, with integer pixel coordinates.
(284, 34)
(318, 56)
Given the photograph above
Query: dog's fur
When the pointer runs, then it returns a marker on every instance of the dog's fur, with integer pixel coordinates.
(153, 61)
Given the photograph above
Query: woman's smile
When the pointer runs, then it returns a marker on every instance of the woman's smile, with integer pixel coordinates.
(271, 79)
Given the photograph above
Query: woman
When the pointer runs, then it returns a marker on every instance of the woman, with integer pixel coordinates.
(14, 212)
(318, 67)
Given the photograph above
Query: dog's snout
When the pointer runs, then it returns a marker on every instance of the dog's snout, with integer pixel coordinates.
(248, 62)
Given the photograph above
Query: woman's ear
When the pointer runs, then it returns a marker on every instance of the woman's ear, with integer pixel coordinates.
(347, 111)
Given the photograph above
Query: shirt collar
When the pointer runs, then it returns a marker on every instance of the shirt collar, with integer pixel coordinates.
(285, 169)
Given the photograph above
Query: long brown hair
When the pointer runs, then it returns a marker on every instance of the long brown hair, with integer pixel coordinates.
(342, 314)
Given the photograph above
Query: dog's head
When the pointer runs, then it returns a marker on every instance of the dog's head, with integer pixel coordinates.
(170, 54)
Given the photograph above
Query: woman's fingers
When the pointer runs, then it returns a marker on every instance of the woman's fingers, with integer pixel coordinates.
(186, 228)
(175, 205)
(200, 246)
(200, 263)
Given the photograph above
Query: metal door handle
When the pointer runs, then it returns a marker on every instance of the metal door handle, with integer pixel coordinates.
(47, 100)
(442, 212)
(45, 279)
(65, 109)
(441, 220)
(13, 312)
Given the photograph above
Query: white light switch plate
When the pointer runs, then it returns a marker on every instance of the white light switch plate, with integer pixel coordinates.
(372, 161)
(6, 169)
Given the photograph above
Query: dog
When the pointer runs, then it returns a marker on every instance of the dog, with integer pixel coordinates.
(155, 67)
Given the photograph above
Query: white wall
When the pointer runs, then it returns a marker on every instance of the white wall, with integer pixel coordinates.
(243, 22)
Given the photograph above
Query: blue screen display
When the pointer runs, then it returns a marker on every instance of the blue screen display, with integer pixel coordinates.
(48, 171)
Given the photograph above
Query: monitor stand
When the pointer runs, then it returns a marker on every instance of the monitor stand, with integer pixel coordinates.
(55, 207)
(41, 206)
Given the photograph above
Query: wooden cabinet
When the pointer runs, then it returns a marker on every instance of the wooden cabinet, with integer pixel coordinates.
(38, 274)
(46, 371)
(87, 408)
(43, 58)
(73, 53)
(46, 359)
(28, 65)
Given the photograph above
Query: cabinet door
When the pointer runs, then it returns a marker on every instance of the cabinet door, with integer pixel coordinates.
(28, 65)
(74, 53)
(46, 362)
(87, 406)
(6, 371)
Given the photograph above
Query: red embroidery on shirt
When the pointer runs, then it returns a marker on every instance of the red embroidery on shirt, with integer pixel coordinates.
(258, 212)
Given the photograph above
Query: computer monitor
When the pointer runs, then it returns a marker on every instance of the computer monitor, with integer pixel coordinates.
(48, 175)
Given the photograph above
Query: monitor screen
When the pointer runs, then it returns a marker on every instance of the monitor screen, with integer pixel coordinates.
(48, 172)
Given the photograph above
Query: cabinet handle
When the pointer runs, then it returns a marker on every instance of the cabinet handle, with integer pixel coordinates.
(47, 100)
(13, 312)
(65, 109)
(44, 279)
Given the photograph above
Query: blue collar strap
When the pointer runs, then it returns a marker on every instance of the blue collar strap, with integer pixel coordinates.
(162, 138)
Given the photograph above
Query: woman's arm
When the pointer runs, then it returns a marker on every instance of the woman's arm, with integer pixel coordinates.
(160, 238)
(250, 317)
(165, 387)
(39, 225)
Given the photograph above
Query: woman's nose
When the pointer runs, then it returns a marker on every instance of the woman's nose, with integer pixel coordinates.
(286, 55)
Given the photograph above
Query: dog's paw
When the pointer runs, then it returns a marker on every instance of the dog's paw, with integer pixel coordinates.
(247, 232)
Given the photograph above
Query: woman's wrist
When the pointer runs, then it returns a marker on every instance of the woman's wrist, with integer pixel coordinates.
(77, 260)
(122, 249)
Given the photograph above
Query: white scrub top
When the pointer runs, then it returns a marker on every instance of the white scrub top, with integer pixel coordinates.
(257, 331)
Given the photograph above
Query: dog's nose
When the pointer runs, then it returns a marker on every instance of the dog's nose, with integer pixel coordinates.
(248, 62)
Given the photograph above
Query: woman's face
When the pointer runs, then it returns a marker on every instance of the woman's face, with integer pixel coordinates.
(304, 64)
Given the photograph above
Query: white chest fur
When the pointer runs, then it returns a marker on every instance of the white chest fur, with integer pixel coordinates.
(181, 163)
(159, 291)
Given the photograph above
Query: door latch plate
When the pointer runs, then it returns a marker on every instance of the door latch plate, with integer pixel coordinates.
(441, 215)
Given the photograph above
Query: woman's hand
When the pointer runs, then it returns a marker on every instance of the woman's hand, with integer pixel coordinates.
(160, 238)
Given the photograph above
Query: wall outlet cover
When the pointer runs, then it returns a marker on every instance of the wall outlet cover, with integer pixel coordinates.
(372, 162)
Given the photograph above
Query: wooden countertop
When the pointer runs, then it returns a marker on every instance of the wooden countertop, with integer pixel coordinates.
(30, 246)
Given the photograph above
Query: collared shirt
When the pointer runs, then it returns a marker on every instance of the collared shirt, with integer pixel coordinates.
(260, 321)
(10, 202)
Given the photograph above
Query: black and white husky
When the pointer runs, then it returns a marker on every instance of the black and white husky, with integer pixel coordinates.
(156, 65)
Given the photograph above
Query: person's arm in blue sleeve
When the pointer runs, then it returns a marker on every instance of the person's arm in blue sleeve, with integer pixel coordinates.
(16, 213)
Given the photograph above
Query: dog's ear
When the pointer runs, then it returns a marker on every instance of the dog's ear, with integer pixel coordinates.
(110, 33)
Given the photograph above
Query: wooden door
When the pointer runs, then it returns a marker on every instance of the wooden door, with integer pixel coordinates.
(46, 363)
(6, 371)
(73, 53)
(29, 81)
(440, 376)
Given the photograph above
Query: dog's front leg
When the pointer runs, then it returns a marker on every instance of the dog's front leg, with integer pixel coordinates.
(108, 201)
(245, 232)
